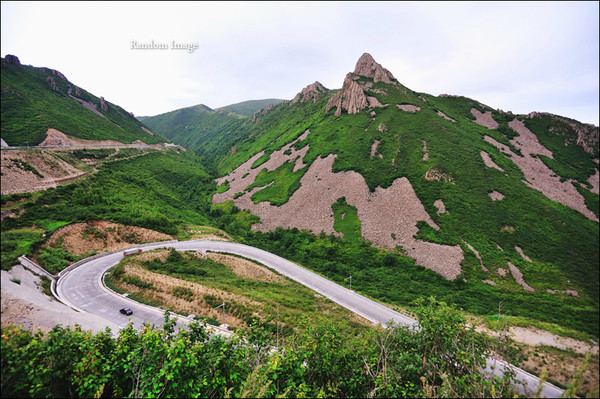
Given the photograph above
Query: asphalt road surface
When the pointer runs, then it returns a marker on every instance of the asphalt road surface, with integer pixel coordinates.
(82, 289)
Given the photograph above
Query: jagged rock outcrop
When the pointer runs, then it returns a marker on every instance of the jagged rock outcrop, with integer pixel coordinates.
(256, 115)
(353, 97)
(60, 75)
(52, 83)
(588, 135)
(12, 59)
(103, 104)
(368, 67)
(77, 91)
(312, 92)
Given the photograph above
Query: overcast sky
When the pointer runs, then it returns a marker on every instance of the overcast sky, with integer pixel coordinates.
(519, 57)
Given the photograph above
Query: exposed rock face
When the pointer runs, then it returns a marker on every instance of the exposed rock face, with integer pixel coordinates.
(151, 133)
(518, 276)
(77, 91)
(368, 67)
(485, 269)
(51, 172)
(256, 116)
(388, 216)
(588, 135)
(408, 107)
(443, 115)
(488, 161)
(520, 251)
(103, 104)
(312, 92)
(352, 97)
(12, 59)
(374, 149)
(496, 196)
(60, 75)
(594, 180)
(52, 83)
(373, 102)
(439, 204)
(485, 119)
(537, 175)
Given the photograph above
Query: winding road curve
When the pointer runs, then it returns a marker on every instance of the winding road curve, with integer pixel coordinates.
(82, 289)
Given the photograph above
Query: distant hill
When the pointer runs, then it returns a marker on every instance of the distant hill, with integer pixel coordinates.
(247, 108)
(37, 99)
(192, 125)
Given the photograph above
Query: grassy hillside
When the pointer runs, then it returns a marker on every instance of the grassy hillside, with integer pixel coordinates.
(561, 242)
(159, 191)
(247, 108)
(36, 99)
(193, 126)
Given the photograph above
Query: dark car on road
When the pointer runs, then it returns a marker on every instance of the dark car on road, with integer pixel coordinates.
(126, 311)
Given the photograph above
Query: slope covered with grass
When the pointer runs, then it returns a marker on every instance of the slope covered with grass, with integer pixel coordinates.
(37, 99)
(439, 145)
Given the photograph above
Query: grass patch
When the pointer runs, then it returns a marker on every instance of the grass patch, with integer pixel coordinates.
(346, 219)
(280, 304)
(280, 184)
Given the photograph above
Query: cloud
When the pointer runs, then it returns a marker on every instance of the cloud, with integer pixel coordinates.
(514, 54)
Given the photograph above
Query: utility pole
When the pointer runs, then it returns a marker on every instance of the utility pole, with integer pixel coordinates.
(349, 278)
(223, 306)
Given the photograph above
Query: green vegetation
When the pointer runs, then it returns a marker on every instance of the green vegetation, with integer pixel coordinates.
(561, 242)
(188, 126)
(320, 360)
(278, 305)
(159, 191)
(279, 184)
(93, 154)
(28, 168)
(18, 242)
(396, 280)
(346, 220)
(247, 108)
(30, 107)
(169, 192)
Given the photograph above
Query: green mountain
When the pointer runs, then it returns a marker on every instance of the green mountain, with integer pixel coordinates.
(484, 206)
(191, 126)
(37, 99)
(247, 108)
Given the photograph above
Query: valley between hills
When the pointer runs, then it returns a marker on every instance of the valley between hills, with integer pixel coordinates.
(410, 195)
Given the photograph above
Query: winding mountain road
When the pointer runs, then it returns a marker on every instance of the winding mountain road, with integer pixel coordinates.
(82, 289)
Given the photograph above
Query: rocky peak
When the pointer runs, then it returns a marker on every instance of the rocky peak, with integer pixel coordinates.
(368, 67)
(352, 97)
(52, 83)
(256, 115)
(103, 104)
(60, 75)
(12, 59)
(312, 92)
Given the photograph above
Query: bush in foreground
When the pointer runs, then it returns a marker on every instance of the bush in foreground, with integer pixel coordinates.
(441, 359)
